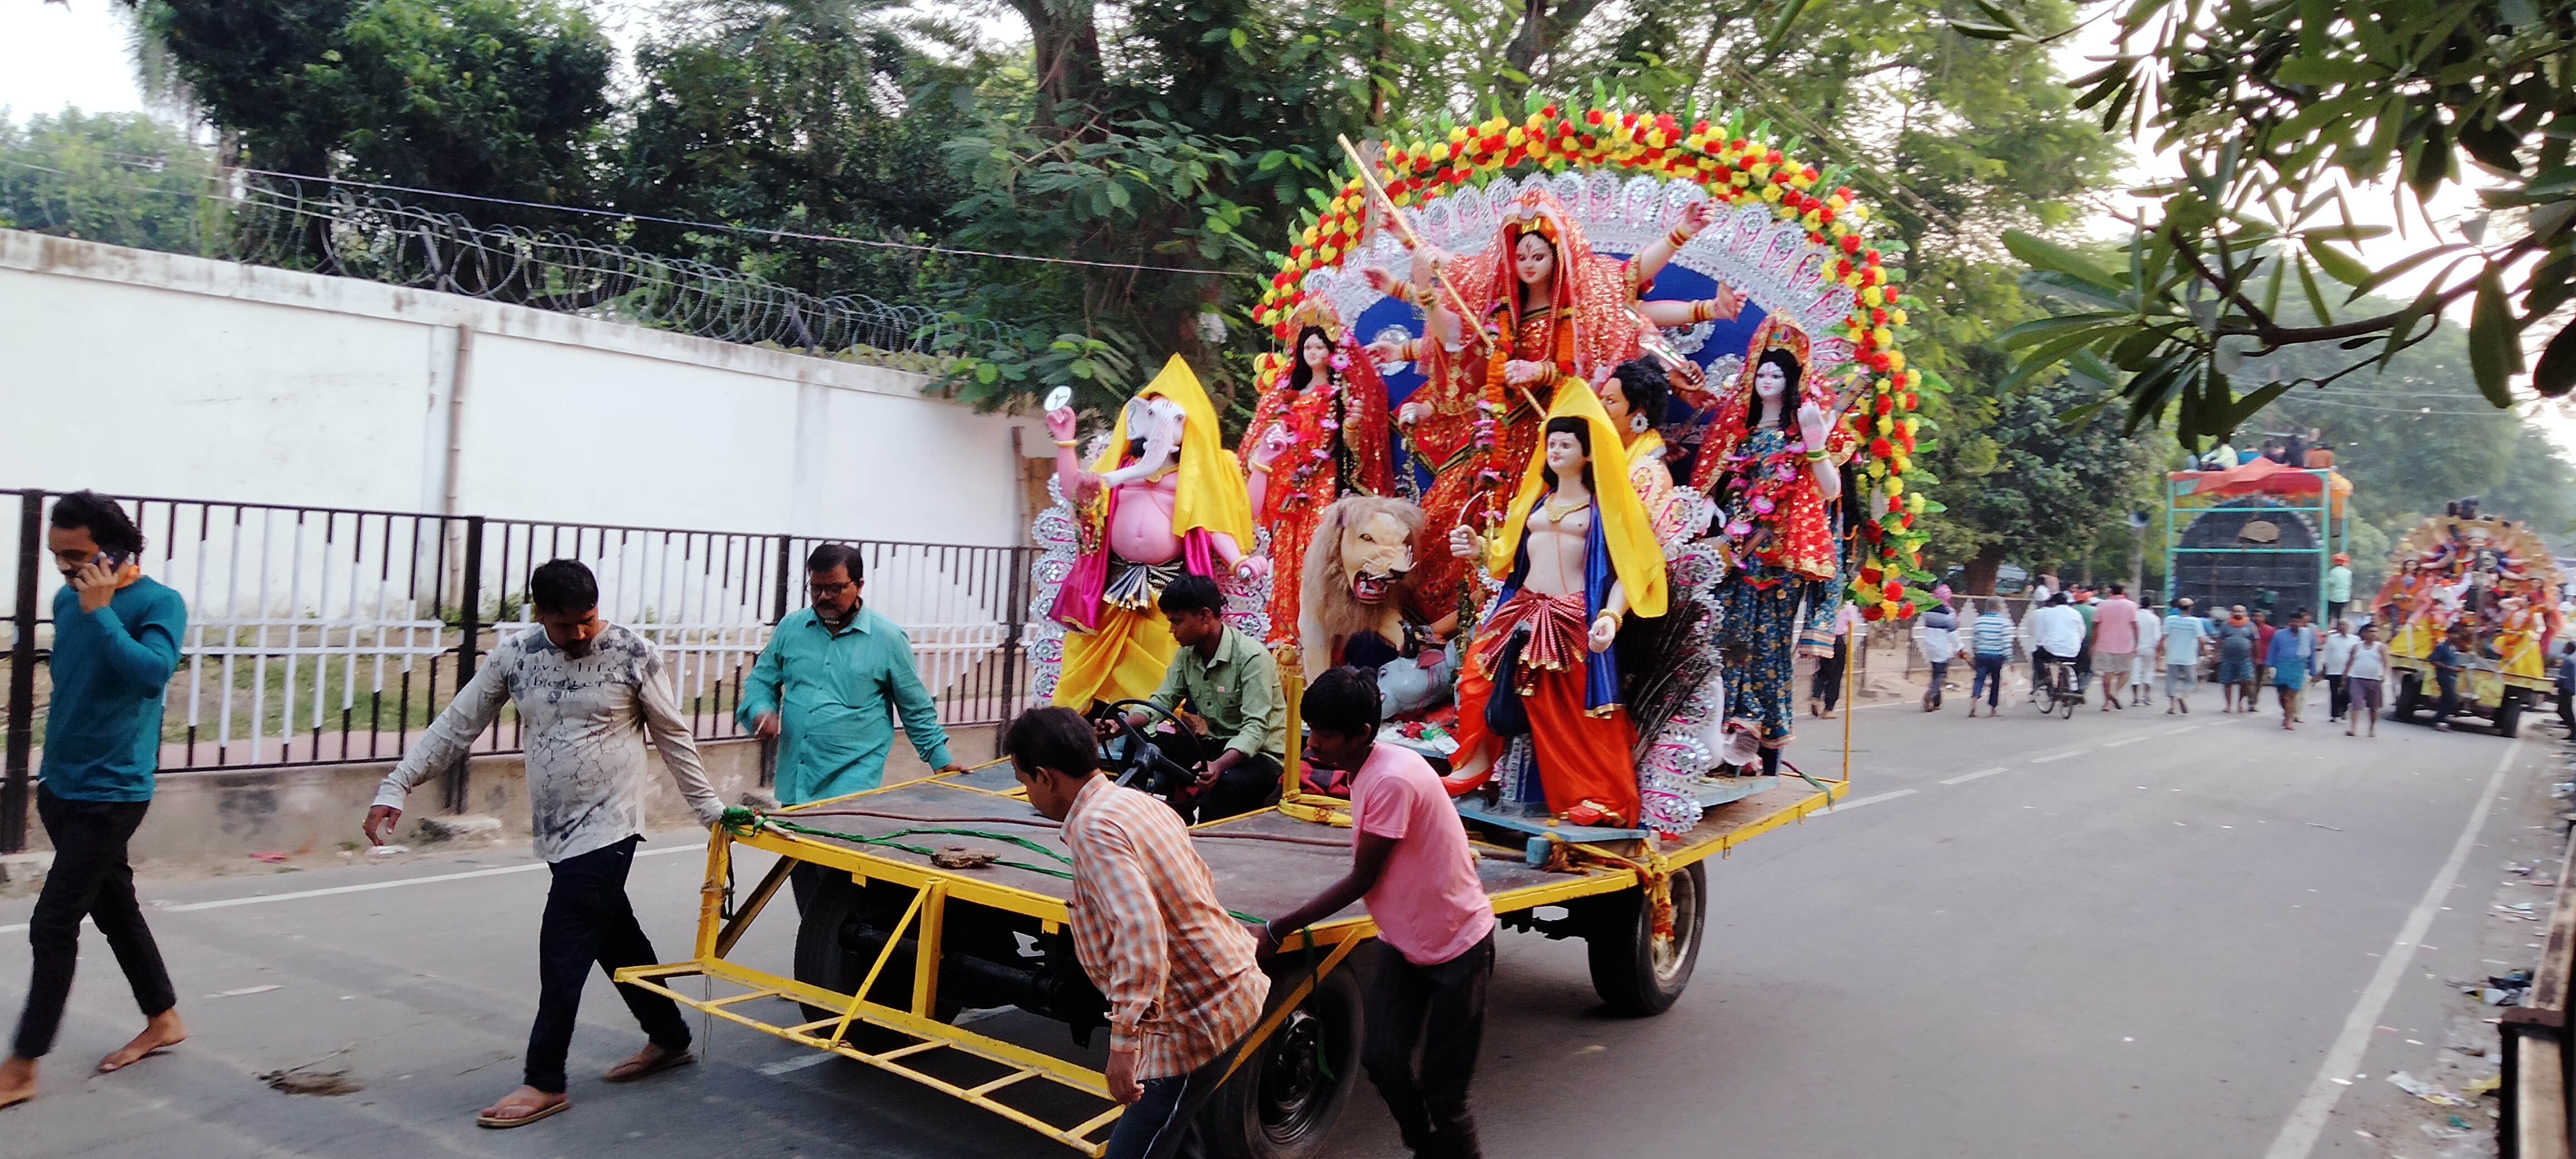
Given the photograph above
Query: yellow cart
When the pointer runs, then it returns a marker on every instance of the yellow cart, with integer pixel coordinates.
(945, 895)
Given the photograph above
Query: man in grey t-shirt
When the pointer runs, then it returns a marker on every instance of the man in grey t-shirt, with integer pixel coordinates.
(589, 693)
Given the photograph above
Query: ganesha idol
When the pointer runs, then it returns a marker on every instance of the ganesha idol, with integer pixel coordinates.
(1163, 498)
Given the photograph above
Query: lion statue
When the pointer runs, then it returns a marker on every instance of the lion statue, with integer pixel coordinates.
(1357, 579)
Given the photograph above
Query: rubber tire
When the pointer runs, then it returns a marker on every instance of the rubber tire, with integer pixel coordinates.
(822, 961)
(2410, 696)
(1622, 947)
(2508, 713)
(1254, 1118)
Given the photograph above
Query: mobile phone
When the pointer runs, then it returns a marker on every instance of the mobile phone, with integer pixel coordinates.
(112, 560)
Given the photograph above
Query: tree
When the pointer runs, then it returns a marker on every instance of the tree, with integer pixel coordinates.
(494, 98)
(2054, 492)
(119, 178)
(792, 115)
(2271, 109)
(2416, 436)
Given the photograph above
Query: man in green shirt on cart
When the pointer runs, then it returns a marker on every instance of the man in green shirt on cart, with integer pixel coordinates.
(829, 685)
(1232, 683)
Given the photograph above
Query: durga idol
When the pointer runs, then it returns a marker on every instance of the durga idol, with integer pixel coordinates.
(1577, 555)
(1551, 310)
(1162, 499)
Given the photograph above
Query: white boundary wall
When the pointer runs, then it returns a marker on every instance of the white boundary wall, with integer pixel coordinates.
(147, 373)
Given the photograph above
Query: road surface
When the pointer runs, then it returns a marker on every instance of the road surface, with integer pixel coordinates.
(2122, 935)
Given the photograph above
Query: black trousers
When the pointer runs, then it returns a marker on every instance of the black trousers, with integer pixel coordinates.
(588, 920)
(89, 879)
(1442, 1010)
(2338, 698)
(1828, 683)
(2567, 710)
(1253, 783)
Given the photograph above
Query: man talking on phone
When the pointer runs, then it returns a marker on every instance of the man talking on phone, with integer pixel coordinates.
(116, 642)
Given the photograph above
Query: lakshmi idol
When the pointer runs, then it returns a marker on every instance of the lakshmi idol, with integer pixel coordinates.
(1576, 555)
(1772, 462)
(1550, 309)
(1160, 500)
(1318, 433)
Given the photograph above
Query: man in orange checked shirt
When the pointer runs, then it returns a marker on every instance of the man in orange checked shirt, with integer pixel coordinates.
(1178, 971)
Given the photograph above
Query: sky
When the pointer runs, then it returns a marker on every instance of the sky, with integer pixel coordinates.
(73, 52)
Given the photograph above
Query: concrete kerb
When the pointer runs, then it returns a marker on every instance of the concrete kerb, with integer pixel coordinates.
(223, 817)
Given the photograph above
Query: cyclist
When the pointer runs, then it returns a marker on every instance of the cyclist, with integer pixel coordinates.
(2057, 634)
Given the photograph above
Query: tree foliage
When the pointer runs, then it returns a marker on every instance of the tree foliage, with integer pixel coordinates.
(2418, 435)
(119, 178)
(2272, 109)
(493, 98)
(2053, 491)
(791, 116)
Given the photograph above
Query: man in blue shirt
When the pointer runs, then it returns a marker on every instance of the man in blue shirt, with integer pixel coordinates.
(1990, 642)
(2448, 659)
(116, 642)
(828, 685)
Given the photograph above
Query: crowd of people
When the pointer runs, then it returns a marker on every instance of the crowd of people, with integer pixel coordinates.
(2120, 651)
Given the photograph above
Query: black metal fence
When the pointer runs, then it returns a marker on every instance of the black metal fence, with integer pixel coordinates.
(324, 635)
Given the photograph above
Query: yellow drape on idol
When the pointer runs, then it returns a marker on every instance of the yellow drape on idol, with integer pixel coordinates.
(1635, 557)
(1126, 657)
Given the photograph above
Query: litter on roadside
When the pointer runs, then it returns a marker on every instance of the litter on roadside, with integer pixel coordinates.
(2428, 1091)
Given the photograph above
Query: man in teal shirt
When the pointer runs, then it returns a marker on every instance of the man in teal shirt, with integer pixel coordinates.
(829, 684)
(116, 642)
(1230, 680)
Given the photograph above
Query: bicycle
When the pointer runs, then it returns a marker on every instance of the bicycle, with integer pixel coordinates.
(2056, 690)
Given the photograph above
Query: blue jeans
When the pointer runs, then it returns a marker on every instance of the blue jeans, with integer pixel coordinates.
(1165, 1123)
(1989, 680)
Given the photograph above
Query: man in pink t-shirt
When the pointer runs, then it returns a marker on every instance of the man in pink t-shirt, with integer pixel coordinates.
(2115, 644)
(1410, 862)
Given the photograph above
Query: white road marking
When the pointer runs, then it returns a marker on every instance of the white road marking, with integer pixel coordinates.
(2059, 756)
(2185, 728)
(2112, 744)
(263, 899)
(2308, 1120)
(1966, 777)
(1873, 800)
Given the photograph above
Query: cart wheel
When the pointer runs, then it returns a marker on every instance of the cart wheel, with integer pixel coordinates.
(2410, 696)
(2508, 713)
(1634, 971)
(823, 960)
(1282, 1102)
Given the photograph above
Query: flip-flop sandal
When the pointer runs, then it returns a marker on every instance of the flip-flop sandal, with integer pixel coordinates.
(500, 1123)
(25, 1098)
(648, 1070)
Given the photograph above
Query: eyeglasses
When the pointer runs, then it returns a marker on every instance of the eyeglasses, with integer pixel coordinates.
(829, 590)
